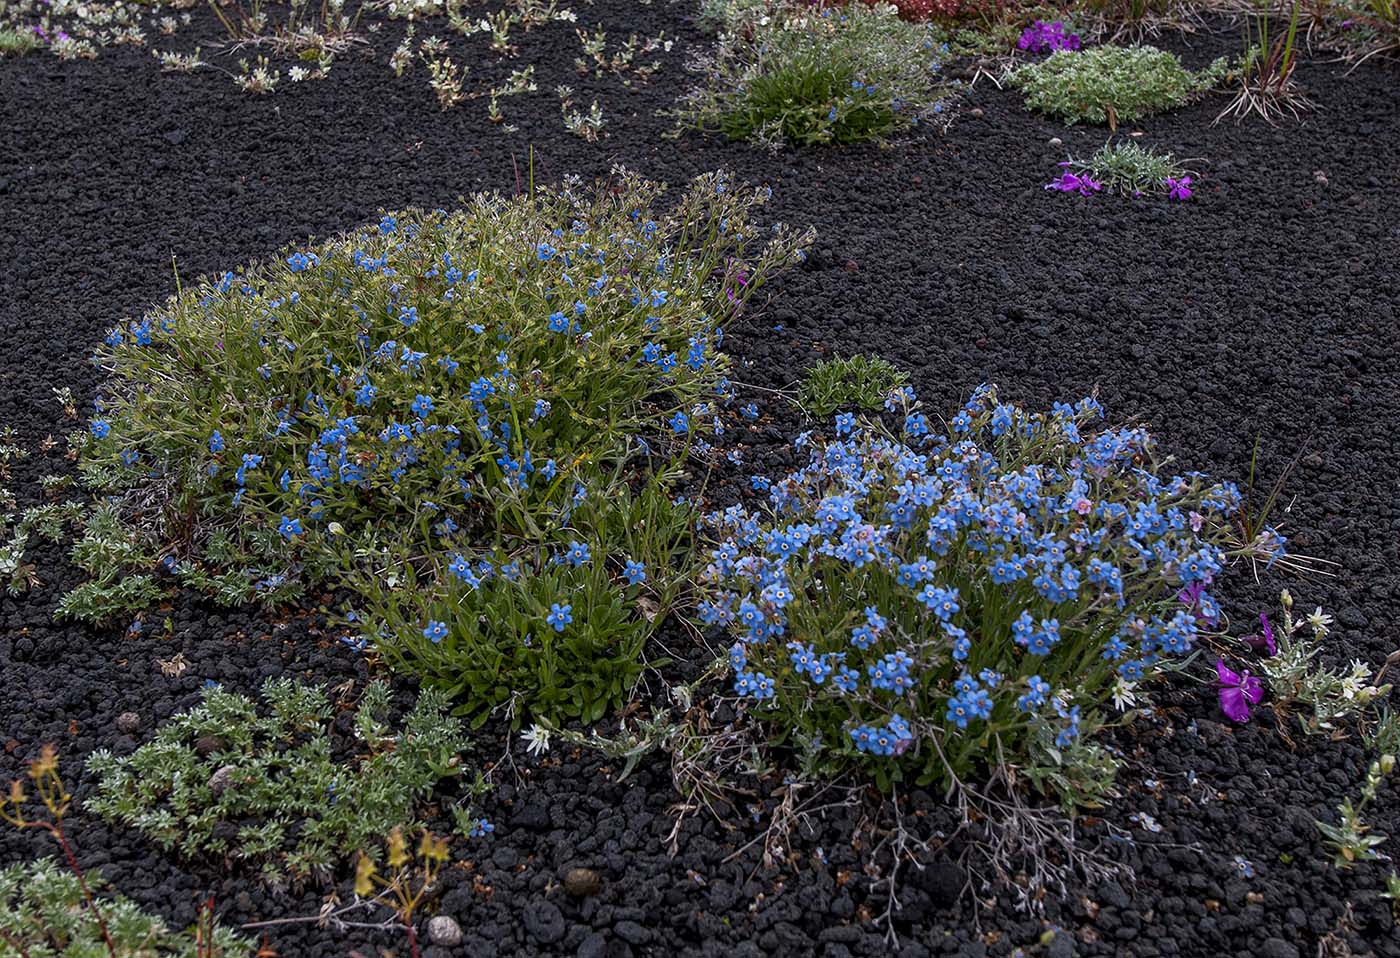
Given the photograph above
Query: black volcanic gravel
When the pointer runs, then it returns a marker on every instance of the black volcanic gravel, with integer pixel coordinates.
(1264, 308)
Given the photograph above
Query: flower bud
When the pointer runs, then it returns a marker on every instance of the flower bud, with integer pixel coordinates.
(1287, 599)
(1387, 763)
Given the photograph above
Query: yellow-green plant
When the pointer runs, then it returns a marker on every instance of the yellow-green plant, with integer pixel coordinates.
(408, 877)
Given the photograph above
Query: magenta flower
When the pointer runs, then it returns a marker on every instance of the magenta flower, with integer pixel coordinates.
(1237, 692)
(1179, 189)
(1264, 641)
(1074, 183)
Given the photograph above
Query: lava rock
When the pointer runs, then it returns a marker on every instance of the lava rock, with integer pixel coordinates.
(544, 920)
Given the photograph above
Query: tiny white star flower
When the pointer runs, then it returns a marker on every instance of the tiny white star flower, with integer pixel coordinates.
(536, 739)
(1319, 621)
(1123, 694)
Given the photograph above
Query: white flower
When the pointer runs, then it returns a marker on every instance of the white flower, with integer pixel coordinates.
(536, 739)
(1123, 694)
(1319, 621)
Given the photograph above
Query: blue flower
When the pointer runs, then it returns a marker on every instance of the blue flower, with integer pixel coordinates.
(559, 616)
(480, 829)
(679, 423)
(289, 528)
(635, 572)
(435, 631)
(100, 428)
(577, 554)
(216, 442)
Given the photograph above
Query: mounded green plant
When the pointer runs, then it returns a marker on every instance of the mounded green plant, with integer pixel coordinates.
(447, 400)
(1112, 84)
(790, 73)
(956, 608)
(270, 787)
(44, 913)
(861, 381)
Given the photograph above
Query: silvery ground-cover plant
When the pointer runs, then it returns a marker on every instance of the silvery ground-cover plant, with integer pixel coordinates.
(419, 536)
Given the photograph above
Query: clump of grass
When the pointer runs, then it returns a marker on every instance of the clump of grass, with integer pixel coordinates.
(1136, 18)
(1265, 78)
(1361, 29)
(1112, 85)
(857, 381)
(1130, 169)
(804, 76)
(265, 787)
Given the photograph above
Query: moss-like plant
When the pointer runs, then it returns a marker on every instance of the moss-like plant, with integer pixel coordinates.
(1111, 84)
(272, 788)
(861, 381)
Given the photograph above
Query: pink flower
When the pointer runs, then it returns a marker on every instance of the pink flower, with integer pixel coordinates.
(1237, 692)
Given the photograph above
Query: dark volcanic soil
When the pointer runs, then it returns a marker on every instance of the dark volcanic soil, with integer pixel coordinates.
(1264, 308)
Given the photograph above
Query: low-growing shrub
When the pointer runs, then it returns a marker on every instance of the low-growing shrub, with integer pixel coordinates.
(793, 74)
(859, 381)
(1112, 84)
(430, 401)
(270, 788)
(44, 912)
(1127, 169)
(937, 606)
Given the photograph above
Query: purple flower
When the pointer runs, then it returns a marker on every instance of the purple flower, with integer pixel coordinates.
(1237, 692)
(1264, 641)
(1041, 36)
(1074, 183)
(1179, 189)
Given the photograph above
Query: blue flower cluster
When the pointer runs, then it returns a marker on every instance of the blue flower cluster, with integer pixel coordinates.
(1006, 576)
(450, 396)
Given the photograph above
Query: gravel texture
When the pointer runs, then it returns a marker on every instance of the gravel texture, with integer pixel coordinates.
(1264, 308)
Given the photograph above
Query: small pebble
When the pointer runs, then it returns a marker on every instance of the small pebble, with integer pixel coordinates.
(220, 779)
(582, 882)
(128, 723)
(444, 930)
(1056, 141)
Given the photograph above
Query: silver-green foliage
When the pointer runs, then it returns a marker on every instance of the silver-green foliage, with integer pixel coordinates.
(44, 914)
(269, 787)
(1111, 84)
(1130, 169)
(788, 73)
